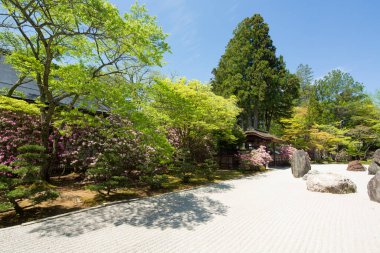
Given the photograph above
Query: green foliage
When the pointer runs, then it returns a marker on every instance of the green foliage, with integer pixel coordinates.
(376, 98)
(208, 169)
(108, 173)
(305, 75)
(192, 105)
(364, 137)
(155, 182)
(79, 56)
(250, 70)
(106, 179)
(17, 105)
(337, 121)
(4, 92)
(183, 166)
(337, 97)
(24, 181)
(194, 118)
(296, 129)
(186, 168)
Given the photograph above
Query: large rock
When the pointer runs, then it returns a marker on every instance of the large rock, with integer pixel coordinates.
(355, 166)
(300, 163)
(331, 183)
(373, 188)
(376, 156)
(373, 168)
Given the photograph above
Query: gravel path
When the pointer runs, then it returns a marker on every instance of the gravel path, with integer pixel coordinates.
(271, 212)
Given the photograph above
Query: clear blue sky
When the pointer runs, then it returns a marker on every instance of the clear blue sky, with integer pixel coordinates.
(342, 34)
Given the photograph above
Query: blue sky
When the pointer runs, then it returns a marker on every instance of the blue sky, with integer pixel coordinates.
(327, 35)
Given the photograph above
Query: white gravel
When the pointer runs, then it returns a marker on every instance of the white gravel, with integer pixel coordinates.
(271, 212)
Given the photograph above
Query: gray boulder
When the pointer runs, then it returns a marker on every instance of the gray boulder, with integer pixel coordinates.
(376, 156)
(373, 168)
(330, 183)
(300, 163)
(373, 188)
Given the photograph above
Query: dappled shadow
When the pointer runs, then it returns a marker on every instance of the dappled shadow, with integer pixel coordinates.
(216, 188)
(10, 218)
(175, 211)
(279, 168)
(259, 175)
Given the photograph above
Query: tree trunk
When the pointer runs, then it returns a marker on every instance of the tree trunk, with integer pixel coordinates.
(256, 117)
(268, 121)
(46, 119)
(249, 120)
(17, 207)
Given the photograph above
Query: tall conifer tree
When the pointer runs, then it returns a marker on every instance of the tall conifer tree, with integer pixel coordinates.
(251, 70)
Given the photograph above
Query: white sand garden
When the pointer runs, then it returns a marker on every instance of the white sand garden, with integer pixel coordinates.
(270, 212)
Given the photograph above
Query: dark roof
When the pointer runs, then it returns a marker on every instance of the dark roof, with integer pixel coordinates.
(262, 135)
(8, 77)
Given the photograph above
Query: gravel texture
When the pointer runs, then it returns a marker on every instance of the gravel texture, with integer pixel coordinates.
(270, 212)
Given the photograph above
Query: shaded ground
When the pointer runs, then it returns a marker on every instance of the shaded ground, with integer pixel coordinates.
(270, 212)
(74, 197)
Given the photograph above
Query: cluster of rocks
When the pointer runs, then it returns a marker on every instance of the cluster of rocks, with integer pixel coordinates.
(316, 181)
(375, 165)
(335, 183)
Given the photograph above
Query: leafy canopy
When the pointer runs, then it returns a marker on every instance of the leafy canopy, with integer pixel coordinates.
(192, 105)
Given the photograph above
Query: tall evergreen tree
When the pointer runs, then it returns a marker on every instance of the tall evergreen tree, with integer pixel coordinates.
(250, 70)
(305, 75)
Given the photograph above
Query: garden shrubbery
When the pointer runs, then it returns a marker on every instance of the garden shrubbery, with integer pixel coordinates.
(255, 159)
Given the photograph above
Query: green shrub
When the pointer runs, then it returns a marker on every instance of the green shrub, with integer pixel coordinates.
(208, 169)
(155, 182)
(24, 181)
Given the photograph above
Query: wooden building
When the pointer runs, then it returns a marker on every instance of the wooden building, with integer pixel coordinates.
(254, 139)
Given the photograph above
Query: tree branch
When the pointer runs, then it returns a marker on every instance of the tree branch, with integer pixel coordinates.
(19, 82)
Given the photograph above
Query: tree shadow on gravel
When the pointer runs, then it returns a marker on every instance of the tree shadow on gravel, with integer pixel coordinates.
(215, 188)
(171, 211)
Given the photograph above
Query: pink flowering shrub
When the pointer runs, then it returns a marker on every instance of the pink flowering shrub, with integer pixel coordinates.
(111, 153)
(256, 158)
(81, 142)
(286, 152)
(16, 129)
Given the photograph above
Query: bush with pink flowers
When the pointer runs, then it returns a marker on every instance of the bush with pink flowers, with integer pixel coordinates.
(286, 152)
(19, 125)
(255, 158)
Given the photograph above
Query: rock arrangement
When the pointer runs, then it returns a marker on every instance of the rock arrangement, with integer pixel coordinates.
(375, 165)
(330, 183)
(355, 166)
(373, 188)
(300, 163)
